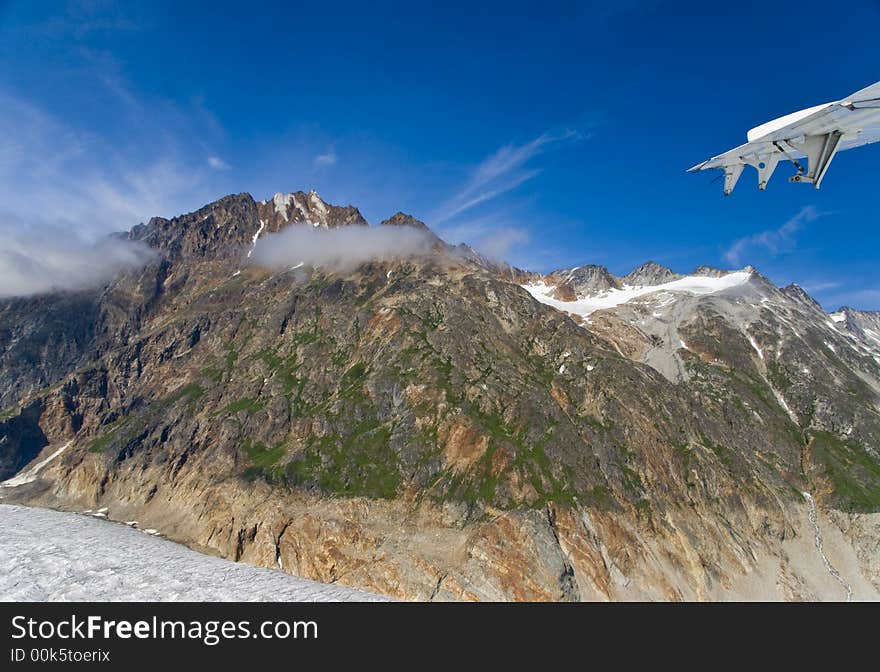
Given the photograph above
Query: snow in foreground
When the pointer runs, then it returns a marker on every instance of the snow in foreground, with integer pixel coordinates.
(691, 284)
(51, 555)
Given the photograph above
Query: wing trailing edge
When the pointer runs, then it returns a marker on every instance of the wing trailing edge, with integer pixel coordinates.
(815, 134)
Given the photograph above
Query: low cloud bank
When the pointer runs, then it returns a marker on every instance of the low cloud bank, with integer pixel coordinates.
(341, 249)
(47, 258)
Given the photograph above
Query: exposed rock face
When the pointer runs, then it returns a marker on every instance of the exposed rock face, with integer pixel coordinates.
(402, 219)
(649, 273)
(708, 271)
(797, 293)
(587, 279)
(309, 209)
(215, 232)
(427, 429)
(42, 338)
(862, 324)
(22, 439)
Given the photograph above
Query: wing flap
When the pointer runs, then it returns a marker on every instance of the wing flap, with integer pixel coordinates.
(751, 152)
(851, 122)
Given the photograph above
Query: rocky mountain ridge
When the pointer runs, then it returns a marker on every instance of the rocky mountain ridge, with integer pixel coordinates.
(443, 427)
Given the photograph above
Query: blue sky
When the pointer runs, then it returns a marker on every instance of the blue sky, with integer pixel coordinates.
(553, 134)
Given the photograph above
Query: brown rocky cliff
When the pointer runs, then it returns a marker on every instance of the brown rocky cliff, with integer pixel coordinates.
(422, 428)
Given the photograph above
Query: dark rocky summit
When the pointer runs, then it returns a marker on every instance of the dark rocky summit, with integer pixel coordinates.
(649, 273)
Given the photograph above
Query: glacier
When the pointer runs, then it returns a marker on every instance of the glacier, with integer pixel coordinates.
(60, 556)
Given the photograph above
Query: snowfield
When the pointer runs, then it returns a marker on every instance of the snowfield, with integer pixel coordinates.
(583, 306)
(52, 555)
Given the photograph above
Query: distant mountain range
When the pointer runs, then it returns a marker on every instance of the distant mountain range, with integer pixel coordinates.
(436, 425)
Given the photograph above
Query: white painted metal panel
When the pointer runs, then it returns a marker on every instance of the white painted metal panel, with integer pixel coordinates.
(816, 133)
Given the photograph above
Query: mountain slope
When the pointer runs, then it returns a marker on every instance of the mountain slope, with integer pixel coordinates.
(426, 428)
(736, 336)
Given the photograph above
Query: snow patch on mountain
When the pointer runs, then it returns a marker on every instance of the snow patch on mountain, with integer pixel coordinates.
(754, 345)
(281, 202)
(256, 238)
(317, 203)
(585, 305)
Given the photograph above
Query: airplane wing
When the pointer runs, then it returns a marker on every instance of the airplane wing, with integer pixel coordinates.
(815, 134)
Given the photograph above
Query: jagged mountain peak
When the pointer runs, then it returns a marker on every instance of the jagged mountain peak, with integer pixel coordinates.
(585, 279)
(650, 273)
(713, 272)
(843, 317)
(404, 219)
(220, 228)
(855, 311)
(225, 226)
(863, 324)
(798, 293)
(309, 208)
(708, 271)
(265, 405)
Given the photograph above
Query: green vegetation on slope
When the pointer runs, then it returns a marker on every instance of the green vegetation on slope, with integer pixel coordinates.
(854, 472)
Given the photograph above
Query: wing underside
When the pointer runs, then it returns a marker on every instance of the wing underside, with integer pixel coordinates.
(816, 135)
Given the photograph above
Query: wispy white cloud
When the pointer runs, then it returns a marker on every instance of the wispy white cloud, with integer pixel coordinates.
(324, 160)
(53, 173)
(865, 298)
(500, 172)
(502, 241)
(488, 194)
(339, 249)
(492, 236)
(821, 285)
(217, 163)
(771, 241)
(34, 260)
(63, 189)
